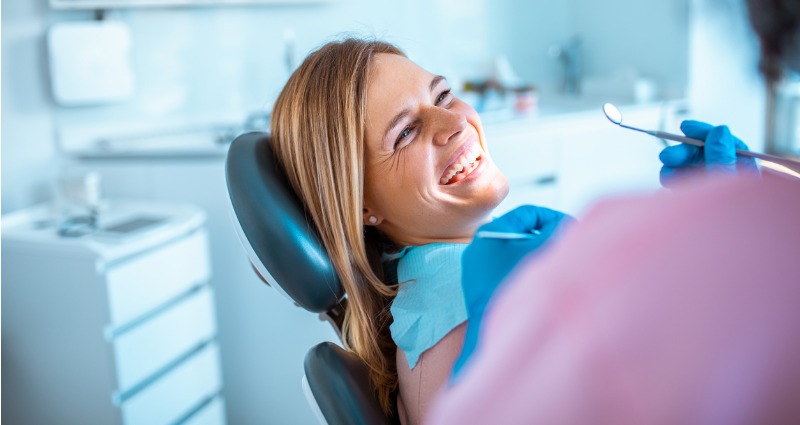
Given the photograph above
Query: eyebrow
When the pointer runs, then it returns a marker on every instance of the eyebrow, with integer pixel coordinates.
(402, 114)
(435, 81)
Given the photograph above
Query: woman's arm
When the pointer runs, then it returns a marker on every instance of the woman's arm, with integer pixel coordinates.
(419, 385)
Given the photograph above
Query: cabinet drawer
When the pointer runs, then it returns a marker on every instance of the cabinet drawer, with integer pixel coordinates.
(211, 414)
(145, 282)
(144, 350)
(178, 392)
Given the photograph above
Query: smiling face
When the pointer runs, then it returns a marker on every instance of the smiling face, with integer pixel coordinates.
(428, 175)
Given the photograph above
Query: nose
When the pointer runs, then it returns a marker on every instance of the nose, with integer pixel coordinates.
(447, 125)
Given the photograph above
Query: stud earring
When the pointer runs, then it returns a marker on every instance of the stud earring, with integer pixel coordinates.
(373, 219)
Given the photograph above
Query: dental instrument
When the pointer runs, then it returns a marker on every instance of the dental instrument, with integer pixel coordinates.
(487, 234)
(615, 116)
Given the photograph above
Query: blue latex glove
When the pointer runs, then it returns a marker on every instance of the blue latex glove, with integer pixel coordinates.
(486, 262)
(719, 153)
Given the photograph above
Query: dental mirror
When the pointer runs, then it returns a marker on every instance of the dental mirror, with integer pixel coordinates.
(614, 115)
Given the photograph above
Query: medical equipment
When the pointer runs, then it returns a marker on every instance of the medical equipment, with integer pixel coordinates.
(719, 153)
(506, 235)
(288, 255)
(615, 116)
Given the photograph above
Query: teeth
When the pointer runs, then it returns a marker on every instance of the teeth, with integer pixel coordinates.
(448, 176)
(469, 159)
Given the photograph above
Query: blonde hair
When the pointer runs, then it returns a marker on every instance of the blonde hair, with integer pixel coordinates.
(318, 127)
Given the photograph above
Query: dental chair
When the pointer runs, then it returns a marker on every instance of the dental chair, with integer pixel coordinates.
(286, 252)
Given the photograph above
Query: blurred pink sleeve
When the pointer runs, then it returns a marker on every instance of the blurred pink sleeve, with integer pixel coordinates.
(681, 307)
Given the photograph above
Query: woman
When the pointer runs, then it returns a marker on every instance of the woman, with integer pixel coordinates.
(390, 165)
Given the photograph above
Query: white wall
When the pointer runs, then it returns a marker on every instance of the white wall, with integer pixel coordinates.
(524, 30)
(649, 38)
(28, 150)
(724, 84)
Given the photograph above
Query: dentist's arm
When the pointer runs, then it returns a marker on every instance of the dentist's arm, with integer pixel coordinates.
(486, 262)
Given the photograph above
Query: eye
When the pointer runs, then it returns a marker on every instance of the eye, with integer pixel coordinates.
(403, 134)
(443, 96)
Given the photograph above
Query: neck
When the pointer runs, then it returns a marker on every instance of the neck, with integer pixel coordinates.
(462, 234)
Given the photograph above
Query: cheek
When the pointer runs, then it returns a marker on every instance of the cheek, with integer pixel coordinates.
(464, 109)
(398, 180)
(374, 186)
(412, 176)
(473, 118)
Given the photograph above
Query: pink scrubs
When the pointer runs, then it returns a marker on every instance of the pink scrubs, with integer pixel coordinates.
(681, 307)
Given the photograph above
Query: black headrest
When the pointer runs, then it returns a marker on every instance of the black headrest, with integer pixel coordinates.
(279, 238)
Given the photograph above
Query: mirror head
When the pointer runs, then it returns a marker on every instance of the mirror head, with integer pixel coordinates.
(612, 113)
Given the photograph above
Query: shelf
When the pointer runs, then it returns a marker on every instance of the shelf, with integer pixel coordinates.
(193, 137)
(128, 4)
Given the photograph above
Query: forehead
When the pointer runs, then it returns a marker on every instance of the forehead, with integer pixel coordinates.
(393, 79)
(388, 66)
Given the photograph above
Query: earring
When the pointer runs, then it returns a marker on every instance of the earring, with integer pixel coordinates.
(373, 219)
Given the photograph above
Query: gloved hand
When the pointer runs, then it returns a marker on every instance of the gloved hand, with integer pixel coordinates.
(719, 153)
(487, 261)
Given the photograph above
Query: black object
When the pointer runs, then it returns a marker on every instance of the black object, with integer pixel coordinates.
(287, 253)
(339, 381)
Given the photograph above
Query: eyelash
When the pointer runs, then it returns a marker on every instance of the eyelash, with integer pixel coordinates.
(406, 131)
(442, 96)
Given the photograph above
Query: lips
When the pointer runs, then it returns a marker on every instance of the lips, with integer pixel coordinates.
(465, 162)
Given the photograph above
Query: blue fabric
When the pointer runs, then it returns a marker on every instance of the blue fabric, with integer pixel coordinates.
(429, 303)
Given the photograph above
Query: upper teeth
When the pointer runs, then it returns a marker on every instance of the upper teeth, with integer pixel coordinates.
(468, 158)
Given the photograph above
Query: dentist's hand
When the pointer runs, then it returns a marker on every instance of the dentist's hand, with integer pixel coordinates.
(719, 153)
(487, 261)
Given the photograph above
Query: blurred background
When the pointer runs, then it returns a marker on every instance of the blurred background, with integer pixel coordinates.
(111, 100)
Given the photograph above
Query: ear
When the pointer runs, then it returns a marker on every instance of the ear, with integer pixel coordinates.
(371, 218)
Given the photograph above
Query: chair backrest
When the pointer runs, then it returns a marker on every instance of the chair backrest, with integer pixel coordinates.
(281, 242)
(286, 252)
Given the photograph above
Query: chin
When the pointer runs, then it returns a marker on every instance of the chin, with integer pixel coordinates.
(502, 189)
(496, 192)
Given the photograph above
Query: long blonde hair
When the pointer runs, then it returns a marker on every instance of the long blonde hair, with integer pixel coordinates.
(318, 127)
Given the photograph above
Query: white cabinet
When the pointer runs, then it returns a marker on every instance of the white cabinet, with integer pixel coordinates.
(568, 161)
(110, 330)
